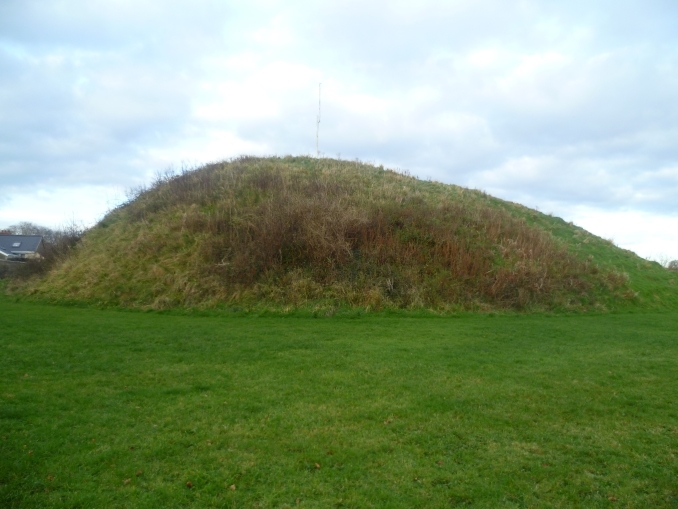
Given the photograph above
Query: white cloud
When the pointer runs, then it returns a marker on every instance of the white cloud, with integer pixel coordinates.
(631, 229)
(58, 207)
(199, 147)
(558, 102)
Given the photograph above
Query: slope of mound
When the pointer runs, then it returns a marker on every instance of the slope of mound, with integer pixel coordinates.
(298, 232)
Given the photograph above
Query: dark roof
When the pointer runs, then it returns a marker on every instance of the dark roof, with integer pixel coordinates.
(27, 243)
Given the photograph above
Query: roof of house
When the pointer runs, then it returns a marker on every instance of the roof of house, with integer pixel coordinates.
(19, 244)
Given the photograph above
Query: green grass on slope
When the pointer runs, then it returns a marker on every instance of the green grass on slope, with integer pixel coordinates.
(653, 286)
(119, 409)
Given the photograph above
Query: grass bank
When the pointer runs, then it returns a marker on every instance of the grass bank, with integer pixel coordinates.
(122, 409)
(299, 232)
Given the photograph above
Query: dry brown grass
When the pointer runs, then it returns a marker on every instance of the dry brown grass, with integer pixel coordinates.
(291, 231)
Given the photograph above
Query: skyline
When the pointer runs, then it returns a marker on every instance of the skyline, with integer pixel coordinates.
(559, 106)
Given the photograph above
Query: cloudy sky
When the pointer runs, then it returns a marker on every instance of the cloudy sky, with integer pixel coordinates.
(559, 105)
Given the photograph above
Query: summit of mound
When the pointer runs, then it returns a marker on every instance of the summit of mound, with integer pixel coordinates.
(295, 232)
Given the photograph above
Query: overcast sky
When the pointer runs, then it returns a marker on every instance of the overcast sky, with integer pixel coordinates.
(559, 105)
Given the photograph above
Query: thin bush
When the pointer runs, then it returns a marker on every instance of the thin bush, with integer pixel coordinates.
(8, 269)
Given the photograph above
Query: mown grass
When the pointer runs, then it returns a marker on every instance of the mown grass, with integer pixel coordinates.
(123, 409)
(296, 232)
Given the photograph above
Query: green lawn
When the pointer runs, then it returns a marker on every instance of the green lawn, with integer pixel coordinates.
(122, 409)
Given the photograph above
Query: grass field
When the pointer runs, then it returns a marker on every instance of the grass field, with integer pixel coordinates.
(123, 409)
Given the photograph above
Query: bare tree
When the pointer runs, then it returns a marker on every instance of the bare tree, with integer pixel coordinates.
(28, 228)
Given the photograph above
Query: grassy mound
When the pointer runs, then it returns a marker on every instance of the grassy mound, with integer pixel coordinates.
(301, 232)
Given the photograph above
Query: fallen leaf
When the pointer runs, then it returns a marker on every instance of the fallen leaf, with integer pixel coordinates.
(138, 473)
(232, 487)
(126, 481)
(189, 484)
(612, 498)
(30, 452)
(317, 465)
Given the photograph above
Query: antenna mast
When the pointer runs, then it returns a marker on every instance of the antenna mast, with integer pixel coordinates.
(317, 126)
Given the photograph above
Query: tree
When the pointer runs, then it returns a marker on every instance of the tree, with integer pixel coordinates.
(28, 228)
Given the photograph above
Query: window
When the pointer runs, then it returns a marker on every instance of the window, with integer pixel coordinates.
(16, 244)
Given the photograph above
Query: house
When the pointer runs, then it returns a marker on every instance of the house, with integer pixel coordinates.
(19, 248)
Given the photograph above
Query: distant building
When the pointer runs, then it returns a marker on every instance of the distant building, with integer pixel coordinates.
(19, 248)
